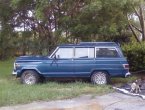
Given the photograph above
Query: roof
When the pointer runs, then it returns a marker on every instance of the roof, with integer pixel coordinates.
(91, 44)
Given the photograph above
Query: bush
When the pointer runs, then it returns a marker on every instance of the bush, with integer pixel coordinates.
(135, 53)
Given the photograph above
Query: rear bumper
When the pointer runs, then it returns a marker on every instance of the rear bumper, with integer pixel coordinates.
(127, 74)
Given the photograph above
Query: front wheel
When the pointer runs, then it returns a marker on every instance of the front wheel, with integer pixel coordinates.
(100, 78)
(30, 77)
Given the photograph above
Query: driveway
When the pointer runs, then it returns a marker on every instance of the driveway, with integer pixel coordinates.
(111, 101)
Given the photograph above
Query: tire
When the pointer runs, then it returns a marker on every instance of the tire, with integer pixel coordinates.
(30, 77)
(100, 78)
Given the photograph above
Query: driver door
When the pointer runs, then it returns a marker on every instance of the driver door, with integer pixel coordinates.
(62, 64)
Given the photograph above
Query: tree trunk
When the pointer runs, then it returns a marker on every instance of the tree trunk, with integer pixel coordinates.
(142, 22)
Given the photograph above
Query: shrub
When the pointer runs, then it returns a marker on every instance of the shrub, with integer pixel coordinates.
(135, 53)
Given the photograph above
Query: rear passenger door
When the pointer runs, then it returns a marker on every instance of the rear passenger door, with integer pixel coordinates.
(109, 59)
(84, 61)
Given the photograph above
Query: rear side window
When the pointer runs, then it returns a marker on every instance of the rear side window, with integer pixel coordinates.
(106, 52)
(84, 52)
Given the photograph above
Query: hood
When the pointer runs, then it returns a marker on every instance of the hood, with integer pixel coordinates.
(32, 58)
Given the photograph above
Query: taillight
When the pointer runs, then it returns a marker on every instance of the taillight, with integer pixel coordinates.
(126, 66)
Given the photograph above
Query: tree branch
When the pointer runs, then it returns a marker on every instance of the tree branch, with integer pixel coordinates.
(136, 12)
(133, 31)
(136, 28)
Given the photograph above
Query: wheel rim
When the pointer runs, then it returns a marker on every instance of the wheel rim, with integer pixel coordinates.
(100, 78)
(29, 79)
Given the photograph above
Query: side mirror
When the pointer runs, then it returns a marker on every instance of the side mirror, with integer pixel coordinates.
(56, 56)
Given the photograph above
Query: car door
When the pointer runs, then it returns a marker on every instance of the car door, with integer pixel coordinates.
(61, 63)
(84, 61)
(110, 60)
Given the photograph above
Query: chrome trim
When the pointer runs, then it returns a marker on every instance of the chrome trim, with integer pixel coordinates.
(53, 52)
(14, 73)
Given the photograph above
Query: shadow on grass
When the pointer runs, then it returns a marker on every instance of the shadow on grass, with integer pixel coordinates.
(131, 79)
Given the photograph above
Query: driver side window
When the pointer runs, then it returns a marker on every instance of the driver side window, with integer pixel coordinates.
(64, 53)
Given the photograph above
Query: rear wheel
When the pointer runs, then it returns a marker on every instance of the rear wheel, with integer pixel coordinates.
(100, 78)
(30, 77)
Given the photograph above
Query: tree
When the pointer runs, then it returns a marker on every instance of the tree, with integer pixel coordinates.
(137, 26)
(6, 31)
(46, 23)
(39, 18)
(95, 19)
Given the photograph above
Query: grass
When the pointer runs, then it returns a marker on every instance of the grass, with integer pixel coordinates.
(12, 92)
(16, 93)
(118, 81)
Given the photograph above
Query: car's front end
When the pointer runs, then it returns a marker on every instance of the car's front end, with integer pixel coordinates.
(26, 62)
(17, 68)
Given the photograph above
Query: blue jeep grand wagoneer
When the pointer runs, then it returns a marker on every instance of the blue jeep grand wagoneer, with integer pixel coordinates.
(97, 61)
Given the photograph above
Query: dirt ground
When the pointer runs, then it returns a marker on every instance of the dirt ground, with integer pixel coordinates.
(111, 101)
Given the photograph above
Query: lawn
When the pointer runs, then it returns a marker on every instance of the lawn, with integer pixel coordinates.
(12, 92)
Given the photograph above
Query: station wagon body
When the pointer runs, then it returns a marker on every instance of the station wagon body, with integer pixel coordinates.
(95, 60)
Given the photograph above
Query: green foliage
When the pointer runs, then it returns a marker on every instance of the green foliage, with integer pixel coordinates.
(6, 30)
(101, 18)
(40, 8)
(135, 53)
(46, 23)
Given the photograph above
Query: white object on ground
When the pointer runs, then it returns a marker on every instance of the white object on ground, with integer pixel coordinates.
(129, 93)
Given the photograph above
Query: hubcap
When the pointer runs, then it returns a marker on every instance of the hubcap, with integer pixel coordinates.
(30, 79)
(100, 78)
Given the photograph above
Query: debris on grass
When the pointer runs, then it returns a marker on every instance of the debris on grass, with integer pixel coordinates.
(127, 88)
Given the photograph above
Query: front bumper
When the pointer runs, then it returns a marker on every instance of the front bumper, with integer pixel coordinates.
(14, 73)
(127, 74)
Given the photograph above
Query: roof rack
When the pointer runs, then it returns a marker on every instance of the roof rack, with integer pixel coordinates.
(99, 43)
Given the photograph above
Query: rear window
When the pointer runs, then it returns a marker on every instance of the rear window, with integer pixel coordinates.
(106, 52)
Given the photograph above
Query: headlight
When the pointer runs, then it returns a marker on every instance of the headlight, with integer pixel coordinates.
(16, 65)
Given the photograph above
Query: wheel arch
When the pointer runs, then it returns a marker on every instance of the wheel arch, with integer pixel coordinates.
(95, 70)
(31, 69)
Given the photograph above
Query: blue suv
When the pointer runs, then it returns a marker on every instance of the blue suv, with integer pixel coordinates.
(97, 61)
